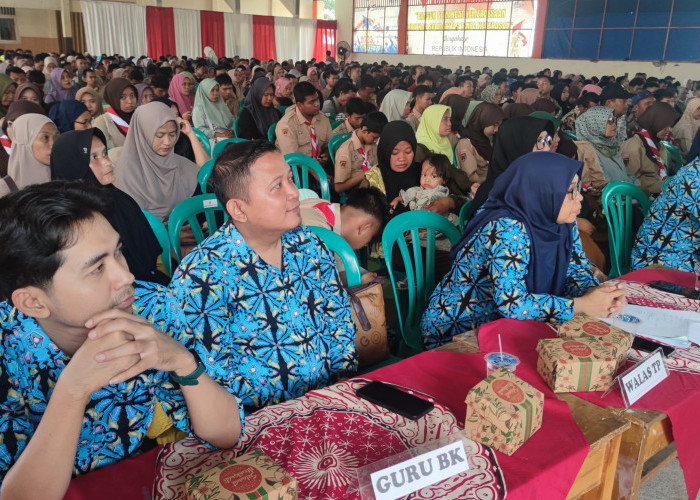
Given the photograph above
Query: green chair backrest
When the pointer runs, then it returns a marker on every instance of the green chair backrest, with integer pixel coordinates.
(666, 182)
(162, 236)
(186, 212)
(334, 143)
(308, 194)
(203, 139)
(204, 174)
(271, 132)
(331, 116)
(305, 163)
(335, 124)
(282, 109)
(240, 107)
(618, 214)
(454, 155)
(672, 152)
(342, 248)
(235, 125)
(571, 134)
(221, 145)
(463, 221)
(420, 276)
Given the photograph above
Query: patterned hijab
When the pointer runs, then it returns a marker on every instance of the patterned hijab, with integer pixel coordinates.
(428, 133)
(590, 127)
(157, 183)
(185, 103)
(216, 112)
(23, 167)
(281, 84)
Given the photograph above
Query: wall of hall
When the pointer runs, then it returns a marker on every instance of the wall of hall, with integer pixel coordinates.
(682, 71)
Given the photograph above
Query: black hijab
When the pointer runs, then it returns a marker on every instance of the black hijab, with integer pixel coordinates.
(515, 138)
(70, 160)
(394, 133)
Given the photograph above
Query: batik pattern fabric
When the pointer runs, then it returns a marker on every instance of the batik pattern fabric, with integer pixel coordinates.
(670, 233)
(116, 418)
(265, 334)
(487, 281)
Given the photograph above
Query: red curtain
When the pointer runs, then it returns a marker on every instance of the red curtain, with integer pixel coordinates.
(325, 39)
(264, 38)
(160, 28)
(213, 31)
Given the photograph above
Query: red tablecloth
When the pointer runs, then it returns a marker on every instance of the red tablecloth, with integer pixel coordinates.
(678, 396)
(545, 466)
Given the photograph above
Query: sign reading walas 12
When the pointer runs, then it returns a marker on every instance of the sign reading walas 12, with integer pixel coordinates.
(412, 475)
(643, 377)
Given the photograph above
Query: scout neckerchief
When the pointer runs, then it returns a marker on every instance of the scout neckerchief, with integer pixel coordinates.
(118, 120)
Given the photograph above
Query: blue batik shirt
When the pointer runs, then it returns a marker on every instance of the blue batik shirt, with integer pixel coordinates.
(487, 281)
(267, 334)
(116, 418)
(670, 233)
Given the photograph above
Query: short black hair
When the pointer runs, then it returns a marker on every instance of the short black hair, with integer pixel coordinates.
(355, 106)
(223, 79)
(344, 86)
(422, 78)
(663, 93)
(136, 74)
(375, 121)
(303, 90)
(549, 79)
(231, 172)
(327, 74)
(371, 201)
(160, 81)
(112, 67)
(366, 81)
(41, 221)
(13, 69)
(36, 76)
(441, 163)
(464, 78)
(420, 90)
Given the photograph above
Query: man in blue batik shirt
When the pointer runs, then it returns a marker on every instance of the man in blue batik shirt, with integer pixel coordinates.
(85, 354)
(263, 292)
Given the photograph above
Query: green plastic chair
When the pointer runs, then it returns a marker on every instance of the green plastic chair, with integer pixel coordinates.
(666, 182)
(463, 221)
(186, 212)
(282, 109)
(672, 152)
(162, 236)
(331, 116)
(203, 139)
(342, 248)
(334, 143)
(271, 132)
(221, 145)
(335, 124)
(618, 214)
(454, 155)
(204, 174)
(571, 134)
(240, 107)
(305, 163)
(420, 277)
(235, 125)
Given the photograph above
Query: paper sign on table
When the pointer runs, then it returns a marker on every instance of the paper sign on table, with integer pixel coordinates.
(643, 377)
(418, 472)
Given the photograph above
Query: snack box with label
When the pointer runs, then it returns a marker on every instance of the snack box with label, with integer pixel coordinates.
(582, 325)
(575, 365)
(503, 411)
(253, 475)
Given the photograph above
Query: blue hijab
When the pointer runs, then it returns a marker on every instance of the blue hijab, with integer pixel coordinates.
(532, 191)
(64, 113)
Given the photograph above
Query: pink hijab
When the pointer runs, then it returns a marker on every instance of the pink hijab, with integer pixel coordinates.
(185, 103)
(316, 84)
(280, 85)
(592, 88)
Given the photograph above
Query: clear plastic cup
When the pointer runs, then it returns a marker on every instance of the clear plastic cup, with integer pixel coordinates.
(496, 360)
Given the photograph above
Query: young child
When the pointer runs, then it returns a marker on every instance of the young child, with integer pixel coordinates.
(359, 220)
(434, 175)
(359, 153)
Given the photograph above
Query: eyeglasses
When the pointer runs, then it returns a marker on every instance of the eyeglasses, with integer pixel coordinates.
(576, 190)
(541, 141)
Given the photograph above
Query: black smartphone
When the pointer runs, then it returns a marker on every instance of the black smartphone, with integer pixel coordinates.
(393, 399)
(650, 346)
(666, 286)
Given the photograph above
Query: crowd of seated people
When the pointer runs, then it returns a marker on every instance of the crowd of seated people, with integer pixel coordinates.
(257, 312)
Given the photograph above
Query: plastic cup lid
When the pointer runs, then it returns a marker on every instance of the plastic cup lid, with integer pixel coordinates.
(501, 359)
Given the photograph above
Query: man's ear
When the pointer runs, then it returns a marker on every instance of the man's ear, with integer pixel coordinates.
(31, 301)
(236, 209)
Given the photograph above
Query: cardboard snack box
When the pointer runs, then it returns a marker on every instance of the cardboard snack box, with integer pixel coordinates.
(583, 325)
(503, 411)
(253, 475)
(576, 365)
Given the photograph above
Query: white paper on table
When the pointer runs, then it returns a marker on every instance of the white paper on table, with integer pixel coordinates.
(667, 324)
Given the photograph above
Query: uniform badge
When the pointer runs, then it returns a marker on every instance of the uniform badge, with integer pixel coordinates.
(285, 131)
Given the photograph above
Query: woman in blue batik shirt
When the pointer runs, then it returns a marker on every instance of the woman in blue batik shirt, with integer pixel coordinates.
(520, 257)
(670, 233)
